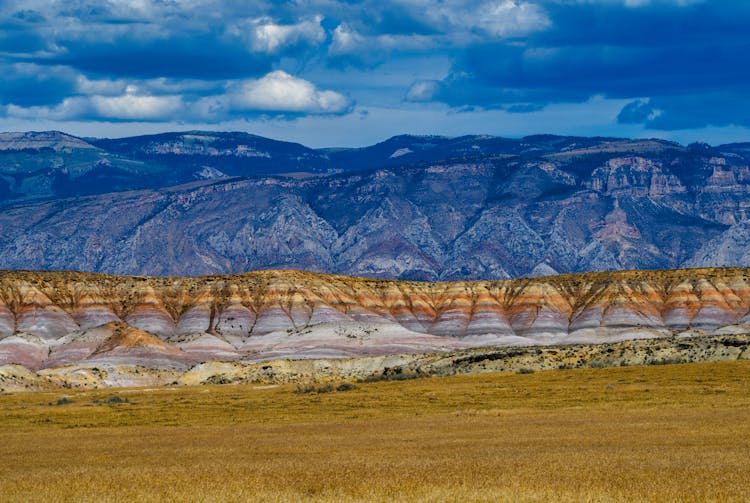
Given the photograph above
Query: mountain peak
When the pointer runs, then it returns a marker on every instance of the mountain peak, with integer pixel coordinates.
(36, 140)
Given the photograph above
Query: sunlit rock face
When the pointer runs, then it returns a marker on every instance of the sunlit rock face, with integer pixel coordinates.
(149, 313)
(236, 321)
(50, 319)
(7, 322)
(38, 315)
(78, 346)
(24, 349)
(196, 319)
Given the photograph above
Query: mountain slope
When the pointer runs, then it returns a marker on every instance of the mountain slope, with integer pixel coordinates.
(229, 154)
(493, 208)
(449, 221)
(48, 165)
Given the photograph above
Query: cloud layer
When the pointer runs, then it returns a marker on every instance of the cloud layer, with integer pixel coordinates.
(678, 64)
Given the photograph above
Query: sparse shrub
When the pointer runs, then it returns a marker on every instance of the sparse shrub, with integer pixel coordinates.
(345, 386)
(63, 401)
(112, 400)
(390, 377)
(598, 364)
(668, 361)
(218, 379)
(402, 377)
(310, 388)
(525, 370)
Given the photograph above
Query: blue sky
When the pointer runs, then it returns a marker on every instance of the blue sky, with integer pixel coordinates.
(354, 72)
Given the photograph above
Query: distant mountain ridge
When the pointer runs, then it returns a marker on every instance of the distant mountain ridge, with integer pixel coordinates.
(411, 207)
(52, 164)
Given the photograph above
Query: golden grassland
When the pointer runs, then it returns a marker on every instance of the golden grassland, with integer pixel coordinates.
(667, 433)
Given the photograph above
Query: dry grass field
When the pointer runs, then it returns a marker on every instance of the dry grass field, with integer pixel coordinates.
(666, 433)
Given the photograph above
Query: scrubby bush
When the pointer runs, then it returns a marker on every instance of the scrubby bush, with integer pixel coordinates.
(345, 386)
(112, 400)
(218, 379)
(311, 388)
(668, 361)
(116, 399)
(525, 370)
(302, 389)
(390, 377)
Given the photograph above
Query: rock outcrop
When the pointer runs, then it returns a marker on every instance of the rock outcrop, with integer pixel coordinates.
(53, 319)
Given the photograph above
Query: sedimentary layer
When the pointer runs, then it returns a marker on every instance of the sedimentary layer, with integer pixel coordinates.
(53, 319)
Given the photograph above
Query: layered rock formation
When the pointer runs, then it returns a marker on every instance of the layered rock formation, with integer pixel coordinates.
(50, 319)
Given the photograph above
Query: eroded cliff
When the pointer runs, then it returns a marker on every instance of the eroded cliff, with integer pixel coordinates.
(52, 319)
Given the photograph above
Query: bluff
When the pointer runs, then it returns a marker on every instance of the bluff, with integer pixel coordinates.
(53, 319)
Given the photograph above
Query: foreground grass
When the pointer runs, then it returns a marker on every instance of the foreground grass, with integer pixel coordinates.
(672, 432)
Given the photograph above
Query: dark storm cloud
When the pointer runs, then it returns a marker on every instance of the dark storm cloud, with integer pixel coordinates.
(720, 108)
(680, 56)
(193, 56)
(27, 85)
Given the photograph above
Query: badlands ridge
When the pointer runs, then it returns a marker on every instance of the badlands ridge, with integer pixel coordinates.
(89, 324)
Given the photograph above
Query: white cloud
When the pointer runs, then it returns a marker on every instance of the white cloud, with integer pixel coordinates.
(107, 87)
(423, 90)
(457, 23)
(641, 3)
(348, 41)
(508, 18)
(634, 3)
(459, 19)
(264, 35)
(130, 106)
(280, 92)
(158, 100)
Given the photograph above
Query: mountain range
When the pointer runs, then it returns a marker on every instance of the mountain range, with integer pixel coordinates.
(411, 207)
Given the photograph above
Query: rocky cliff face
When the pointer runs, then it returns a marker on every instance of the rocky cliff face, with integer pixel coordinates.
(55, 319)
(491, 208)
(448, 221)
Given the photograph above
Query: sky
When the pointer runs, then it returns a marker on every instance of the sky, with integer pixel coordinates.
(355, 72)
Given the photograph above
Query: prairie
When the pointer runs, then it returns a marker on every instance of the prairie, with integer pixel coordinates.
(666, 432)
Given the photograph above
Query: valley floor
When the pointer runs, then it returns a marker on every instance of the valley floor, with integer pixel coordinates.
(666, 432)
